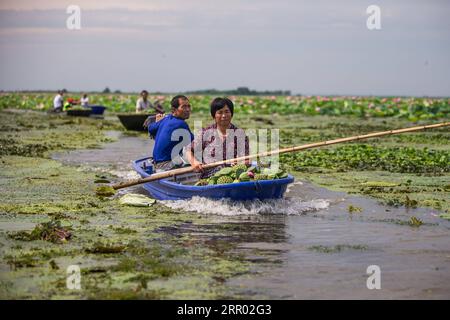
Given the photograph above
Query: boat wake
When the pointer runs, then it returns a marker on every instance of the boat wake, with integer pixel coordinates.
(226, 207)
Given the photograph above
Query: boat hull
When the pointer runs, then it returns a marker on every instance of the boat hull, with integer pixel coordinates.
(79, 113)
(168, 190)
(135, 122)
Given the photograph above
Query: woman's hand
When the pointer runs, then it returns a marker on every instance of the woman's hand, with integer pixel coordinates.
(198, 166)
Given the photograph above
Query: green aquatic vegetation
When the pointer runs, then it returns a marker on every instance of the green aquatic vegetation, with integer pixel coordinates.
(415, 222)
(166, 250)
(21, 261)
(379, 184)
(124, 230)
(368, 157)
(412, 222)
(125, 294)
(354, 209)
(106, 248)
(49, 231)
(436, 204)
(37, 134)
(67, 193)
(410, 203)
(426, 190)
(413, 109)
(53, 265)
(12, 147)
(105, 191)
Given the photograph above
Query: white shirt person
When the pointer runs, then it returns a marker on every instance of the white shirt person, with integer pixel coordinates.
(84, 100)
(58, 101)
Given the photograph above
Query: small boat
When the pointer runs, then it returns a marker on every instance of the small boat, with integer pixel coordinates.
(135, 121)
(97, 110)
(79, 112)
(181, 187)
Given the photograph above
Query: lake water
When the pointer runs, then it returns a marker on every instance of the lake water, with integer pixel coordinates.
(307, 245)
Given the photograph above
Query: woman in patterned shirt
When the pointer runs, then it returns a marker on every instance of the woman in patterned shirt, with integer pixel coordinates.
(220, 141)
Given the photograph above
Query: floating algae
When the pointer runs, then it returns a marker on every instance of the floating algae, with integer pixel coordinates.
(105, 191)
(354, 209)
(445, 216)
(49, 231)
(415, 222)
(107, 248)
(379, 184)
(68, 193)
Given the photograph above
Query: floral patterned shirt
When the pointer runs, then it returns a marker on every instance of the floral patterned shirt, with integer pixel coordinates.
(210, 146)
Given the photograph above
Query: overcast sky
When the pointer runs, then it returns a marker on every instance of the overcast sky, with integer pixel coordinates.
(308, 47)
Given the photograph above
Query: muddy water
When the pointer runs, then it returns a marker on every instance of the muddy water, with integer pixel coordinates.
(307, 245)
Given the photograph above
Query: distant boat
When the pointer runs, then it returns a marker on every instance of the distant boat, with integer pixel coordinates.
(79, 112)
(135, 121)
(97, 110)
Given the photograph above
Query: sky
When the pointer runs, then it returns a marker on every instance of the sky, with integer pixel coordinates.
(320, 47)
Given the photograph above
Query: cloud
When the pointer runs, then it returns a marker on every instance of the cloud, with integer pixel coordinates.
(306, 46)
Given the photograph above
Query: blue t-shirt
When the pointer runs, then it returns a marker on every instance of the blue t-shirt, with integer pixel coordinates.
(163, 133)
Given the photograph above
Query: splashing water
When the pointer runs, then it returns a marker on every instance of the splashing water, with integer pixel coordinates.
(227, 207)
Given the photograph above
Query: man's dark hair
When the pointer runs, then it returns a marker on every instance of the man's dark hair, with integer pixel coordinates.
(219, 103)
(144, 91)
(175, 103)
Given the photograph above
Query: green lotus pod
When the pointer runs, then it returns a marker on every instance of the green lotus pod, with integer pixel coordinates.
(282, 175)
(202, 182)
(260, 176)
(224, 180)
(244, 177)
(212, 180)
(224, 172)
(239, 169)
(252, 169)
(269, 172)
(240, 166)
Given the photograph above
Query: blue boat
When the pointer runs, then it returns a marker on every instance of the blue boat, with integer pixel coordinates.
(98, 110)
(172, 189)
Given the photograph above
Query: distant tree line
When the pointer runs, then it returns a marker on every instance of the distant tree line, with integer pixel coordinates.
(242, 91)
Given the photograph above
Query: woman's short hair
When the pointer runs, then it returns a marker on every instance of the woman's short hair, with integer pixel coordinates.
(219, 103)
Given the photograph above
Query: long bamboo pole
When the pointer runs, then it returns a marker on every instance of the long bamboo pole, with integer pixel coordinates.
(171, 173)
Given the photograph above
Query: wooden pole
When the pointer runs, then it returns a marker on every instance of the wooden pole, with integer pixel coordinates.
(171, 173)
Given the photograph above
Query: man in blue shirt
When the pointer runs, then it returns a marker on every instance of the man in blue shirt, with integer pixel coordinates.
(171, 134)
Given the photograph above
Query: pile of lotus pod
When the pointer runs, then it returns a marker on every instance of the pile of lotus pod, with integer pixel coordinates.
(242, 173)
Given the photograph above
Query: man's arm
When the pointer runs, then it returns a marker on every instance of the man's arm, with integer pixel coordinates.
(157, 106)
(153, 128)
